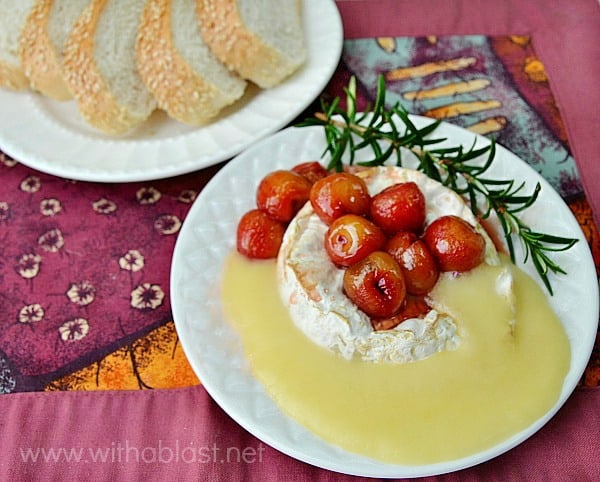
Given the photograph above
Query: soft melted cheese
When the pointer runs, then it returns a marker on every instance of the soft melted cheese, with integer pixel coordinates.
(451, 405)
(311, 286)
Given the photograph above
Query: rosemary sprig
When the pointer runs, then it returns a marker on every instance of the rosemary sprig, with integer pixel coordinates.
(383, 134)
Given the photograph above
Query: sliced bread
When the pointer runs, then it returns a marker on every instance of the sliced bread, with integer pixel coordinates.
(42, 43)
(186, 78)
(13, 15)
(261, 40)
(100, 66)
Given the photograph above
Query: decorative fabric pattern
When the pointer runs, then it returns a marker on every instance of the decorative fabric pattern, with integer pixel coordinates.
(493, 86)
(85, 272)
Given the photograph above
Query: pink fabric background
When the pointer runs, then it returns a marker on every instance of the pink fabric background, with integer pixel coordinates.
(567, 38)
(149, 429)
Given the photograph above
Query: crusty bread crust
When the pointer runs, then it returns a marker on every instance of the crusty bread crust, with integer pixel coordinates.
(13, 77)
(38, 55)
(240, 49)
(95, 100)
(13, 16)
(178, 89)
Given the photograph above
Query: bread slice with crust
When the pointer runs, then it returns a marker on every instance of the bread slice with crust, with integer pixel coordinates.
(13, 16)
(261, 40)
(186, 78)
(42, 42)
(100, 66)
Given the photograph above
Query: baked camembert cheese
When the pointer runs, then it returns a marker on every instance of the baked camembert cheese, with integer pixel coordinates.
(311, 285)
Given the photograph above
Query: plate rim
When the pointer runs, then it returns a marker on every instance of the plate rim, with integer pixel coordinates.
(382, 469)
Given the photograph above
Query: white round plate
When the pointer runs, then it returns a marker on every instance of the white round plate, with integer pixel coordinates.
(214, 350)
(52, 137)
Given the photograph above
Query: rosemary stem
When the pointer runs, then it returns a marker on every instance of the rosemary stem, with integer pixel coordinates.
(450, 166)
(356, 128)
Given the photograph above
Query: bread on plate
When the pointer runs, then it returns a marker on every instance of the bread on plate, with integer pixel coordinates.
(176, 65)
(260, 40)
(100, 66)
(120, 60)
(42, 42)
(13, 16)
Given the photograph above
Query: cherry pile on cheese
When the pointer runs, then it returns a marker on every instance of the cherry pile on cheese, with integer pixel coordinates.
(311, 286)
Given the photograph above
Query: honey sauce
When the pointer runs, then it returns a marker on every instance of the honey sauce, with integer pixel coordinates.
(501, 378)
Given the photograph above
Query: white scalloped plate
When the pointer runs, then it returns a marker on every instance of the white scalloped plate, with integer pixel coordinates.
(52, 137)
(214, 350)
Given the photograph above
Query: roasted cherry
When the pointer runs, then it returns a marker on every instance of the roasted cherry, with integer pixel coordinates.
(350, 238)
(338, 194)
(258, 235)
(413, 307)
(311, 170)
(454, 243)
(282, 193)
(417, 262)
(400, 207)
(398, 243)
(376, 285)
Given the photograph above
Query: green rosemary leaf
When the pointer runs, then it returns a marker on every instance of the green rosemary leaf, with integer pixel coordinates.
(380, 157)
(525, 201)
(542, 269)
(406, 120)
(428, 129)
(380, 96)
(496, 182)
(490, 158)
(428, 142)
(336, 156)
(544, 239)
(351, 98)
(361, 117)
(429, 166)
(474, 153)
(333, 107)
(445, 151)
(375, 147)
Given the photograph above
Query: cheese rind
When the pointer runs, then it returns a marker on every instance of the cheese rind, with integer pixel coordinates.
(311, 286)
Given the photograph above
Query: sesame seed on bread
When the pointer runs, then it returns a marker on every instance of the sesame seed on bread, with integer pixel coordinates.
(261, 41)
(100, 66)
(42, 42)
(13, 16)
(186, 78)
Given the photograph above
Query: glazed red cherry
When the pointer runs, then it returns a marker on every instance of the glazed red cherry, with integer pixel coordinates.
(454, 243)
(258, 235)
(338, 194)
(311, 170)
(400, 207)
(398, 243)
(413, 307)
(350, 238)
(282, 193)
(376, 285)
(417, 262)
